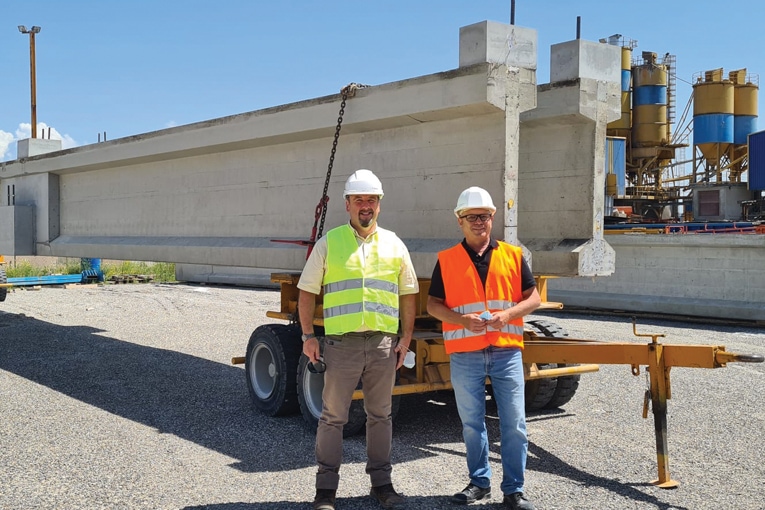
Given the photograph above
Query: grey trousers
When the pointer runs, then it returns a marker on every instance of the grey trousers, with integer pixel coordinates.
(368, 357)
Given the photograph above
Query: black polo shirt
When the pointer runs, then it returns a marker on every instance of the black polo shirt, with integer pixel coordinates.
(481, 263)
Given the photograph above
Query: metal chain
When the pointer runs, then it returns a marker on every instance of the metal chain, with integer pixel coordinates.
(347, 91)
(321, 208)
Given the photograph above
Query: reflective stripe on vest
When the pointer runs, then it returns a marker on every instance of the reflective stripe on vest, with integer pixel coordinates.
(466, 294)
(361, 292)
(359, 283)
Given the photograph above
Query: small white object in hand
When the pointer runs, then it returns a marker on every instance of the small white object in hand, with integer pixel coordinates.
(409, 359)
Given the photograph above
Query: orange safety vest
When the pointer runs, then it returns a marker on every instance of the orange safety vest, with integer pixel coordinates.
(465, 294)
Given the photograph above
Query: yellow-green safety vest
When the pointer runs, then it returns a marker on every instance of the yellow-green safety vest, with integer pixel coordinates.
(360, 292)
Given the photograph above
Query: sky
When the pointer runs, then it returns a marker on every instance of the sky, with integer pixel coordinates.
(121, 68)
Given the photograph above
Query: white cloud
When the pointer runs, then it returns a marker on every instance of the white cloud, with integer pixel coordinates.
(5, 143)
(8, 149)
(170, 124)
(25, 131)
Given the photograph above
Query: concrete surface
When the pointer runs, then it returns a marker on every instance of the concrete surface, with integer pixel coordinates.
(704, 275)
(123, 397)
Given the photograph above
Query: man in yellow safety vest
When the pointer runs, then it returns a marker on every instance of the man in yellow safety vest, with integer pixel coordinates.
(369, 285)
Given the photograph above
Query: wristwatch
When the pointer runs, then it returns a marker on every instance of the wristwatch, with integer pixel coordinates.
(308, 336)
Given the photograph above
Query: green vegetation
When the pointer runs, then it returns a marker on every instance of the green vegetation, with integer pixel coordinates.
(160, 271)
(26, 268)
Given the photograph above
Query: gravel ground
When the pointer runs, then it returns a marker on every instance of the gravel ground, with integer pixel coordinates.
(123, 396)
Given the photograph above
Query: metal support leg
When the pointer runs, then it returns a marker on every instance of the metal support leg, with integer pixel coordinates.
(659, 374)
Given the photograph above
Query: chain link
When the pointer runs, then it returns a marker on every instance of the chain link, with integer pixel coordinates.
(347, 91)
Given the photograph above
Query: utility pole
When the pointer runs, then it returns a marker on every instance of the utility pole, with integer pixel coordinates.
(32, 74)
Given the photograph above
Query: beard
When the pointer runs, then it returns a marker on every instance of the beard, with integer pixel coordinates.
(365, 221)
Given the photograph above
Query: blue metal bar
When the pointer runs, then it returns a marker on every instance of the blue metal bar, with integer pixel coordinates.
(22, 281)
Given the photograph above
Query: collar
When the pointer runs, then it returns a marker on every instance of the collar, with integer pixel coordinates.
(359, 236)
(493, 245)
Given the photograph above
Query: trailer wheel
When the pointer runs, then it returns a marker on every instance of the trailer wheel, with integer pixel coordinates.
(564, 390)
(560, 389)
(3, 290)
(309, 389)
(270, 366)
(539, 392)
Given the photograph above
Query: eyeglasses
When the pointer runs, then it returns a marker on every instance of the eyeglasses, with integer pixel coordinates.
(317, 368)
(472, 218)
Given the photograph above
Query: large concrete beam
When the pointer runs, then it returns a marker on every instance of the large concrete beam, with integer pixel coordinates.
(562, 161)
(218, 192)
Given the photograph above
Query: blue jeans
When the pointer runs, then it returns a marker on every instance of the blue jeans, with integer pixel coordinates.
(504, 366)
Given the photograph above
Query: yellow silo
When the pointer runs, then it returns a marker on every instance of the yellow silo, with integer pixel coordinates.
(622, 126)
(649, 103)
(713, 107)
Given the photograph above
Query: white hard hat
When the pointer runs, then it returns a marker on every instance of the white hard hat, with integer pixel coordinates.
(363, 182)
(474, 198)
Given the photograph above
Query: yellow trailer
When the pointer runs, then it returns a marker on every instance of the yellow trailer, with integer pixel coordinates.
(4, 285)
(279, 382)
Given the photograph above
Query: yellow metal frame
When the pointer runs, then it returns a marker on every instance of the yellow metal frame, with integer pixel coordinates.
(4, 285)
(431, 371)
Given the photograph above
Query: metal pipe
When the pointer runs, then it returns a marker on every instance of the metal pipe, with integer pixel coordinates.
(33, 79)
(512, 12)
(557, 372)
(32, 73)
(578, 27)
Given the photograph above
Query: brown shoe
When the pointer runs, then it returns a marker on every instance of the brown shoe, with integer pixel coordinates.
(387, 496)
(324, 500)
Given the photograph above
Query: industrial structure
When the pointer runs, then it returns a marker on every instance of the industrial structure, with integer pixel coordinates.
(648, 180)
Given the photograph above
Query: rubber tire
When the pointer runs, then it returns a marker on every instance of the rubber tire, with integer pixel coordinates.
(539, 392)
(273, 353)
(309, 390)
(3, 290)
(563, 388)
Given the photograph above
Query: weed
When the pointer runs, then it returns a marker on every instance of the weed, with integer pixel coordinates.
(160, 271)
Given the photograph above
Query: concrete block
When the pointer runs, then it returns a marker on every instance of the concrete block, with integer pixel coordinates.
(585, 59)
(567, 257)
(35, 146)
(498, 43)
(17, 230)
(676, 274)
(562, 162)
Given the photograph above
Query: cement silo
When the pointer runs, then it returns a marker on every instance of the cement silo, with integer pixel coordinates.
(623, 126)
(745, 110)
(713, 128)
(649, 103)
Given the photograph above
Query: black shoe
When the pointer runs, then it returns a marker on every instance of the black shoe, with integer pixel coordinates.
(471, 494)
(324, 500)
(517, 501)
(387, 496)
